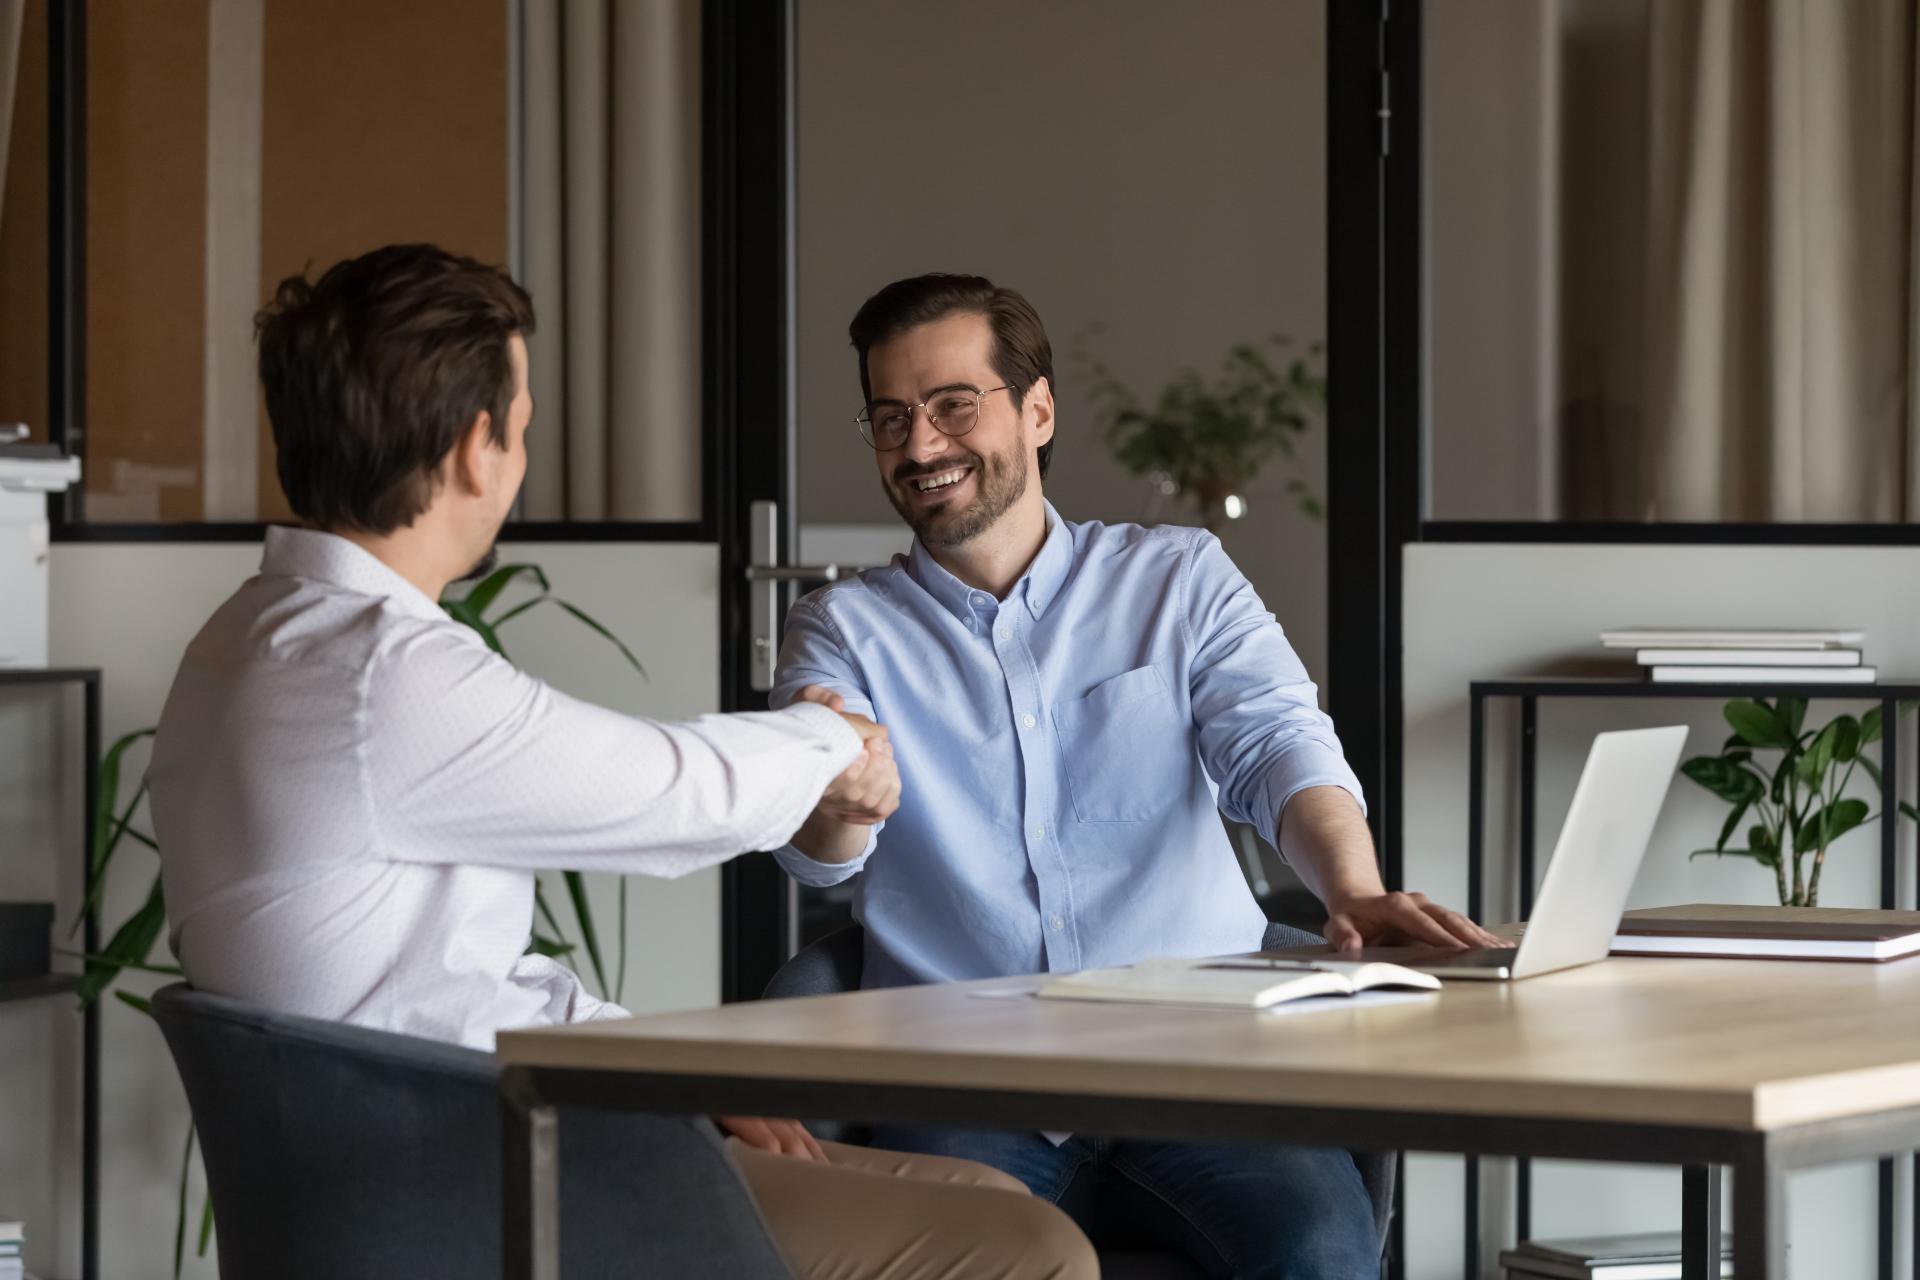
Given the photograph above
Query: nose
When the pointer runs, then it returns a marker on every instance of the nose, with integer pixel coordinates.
(924, 440)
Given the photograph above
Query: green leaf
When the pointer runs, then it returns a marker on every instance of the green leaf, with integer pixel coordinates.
(481, 597)
(1756, 724)
(1792, 713)
(1819, 755)
(206, 1225)
(180, 1220)
(1846, 738)
(1910, 811)
(541, 945)
(1870, 727)
(132, 943)
(611, 638)
(139, 1004)
(1778, 789)
(1765, 860)
(107, 829)
(620, 968)
(583, 912)
(1824, 826)
(1873, 770)
(1732, 823)
(1725, 778)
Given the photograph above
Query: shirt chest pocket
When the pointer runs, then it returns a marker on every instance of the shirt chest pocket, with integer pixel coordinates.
(1128, 748)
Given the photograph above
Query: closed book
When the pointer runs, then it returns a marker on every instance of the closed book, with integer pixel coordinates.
(1748, 657)
(1769, 933)
(1654, 1256)
(1764, 675)
(1730, 638)
(1232, 982)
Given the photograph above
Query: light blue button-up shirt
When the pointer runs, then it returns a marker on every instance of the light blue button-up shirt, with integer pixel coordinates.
(1063, 752)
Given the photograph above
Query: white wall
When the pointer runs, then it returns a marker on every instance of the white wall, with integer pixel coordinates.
(1477, 612)
(130, 609)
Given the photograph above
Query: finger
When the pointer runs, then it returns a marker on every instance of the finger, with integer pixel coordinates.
(1464, 931)
(1341, 934)
(793, 1140)
(752, 1131)
(1419, 926)
(814, 1149)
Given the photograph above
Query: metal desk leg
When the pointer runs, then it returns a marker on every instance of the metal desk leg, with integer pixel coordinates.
(529, 1182)
(1759, 1218)
(1700, 1222)
(1476, 835)
(1529, 755)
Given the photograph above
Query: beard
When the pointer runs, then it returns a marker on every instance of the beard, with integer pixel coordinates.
(484, 566)
(1000, 480)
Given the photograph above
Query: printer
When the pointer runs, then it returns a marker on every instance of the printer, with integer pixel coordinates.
(28, 473)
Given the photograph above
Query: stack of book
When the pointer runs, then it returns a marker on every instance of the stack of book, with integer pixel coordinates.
(13, 1239)
(1733, 656)
(1646, 1257)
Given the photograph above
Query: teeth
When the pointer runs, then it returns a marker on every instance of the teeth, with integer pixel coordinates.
(940, 481)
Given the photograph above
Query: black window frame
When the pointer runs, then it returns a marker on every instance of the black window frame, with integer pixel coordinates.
(67, 347)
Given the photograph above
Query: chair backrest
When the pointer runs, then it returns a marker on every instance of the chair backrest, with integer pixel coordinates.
(334, 1150)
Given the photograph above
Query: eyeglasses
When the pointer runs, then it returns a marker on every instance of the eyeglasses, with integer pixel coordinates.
(886, 424)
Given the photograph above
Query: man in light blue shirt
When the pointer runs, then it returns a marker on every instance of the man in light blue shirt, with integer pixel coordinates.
(1071, 708)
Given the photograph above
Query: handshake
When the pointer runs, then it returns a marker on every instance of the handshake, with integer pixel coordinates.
(869, 790)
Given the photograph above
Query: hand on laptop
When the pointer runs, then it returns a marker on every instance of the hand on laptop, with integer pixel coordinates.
(1394, 919)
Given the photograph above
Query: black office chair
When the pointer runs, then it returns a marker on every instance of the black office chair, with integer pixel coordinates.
(834, 963)
(336, 1151)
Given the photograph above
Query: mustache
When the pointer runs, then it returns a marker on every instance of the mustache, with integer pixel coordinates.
(907, 472)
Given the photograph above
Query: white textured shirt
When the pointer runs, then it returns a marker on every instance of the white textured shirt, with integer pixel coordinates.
(352, 793)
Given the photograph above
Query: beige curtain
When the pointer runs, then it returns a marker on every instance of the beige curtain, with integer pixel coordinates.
(1782, 331)
(612, 258)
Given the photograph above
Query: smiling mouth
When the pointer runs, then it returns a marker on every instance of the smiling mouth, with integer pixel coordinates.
(939, 481)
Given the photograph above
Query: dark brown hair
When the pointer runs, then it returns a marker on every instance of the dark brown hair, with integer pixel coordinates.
(373, 373)
(1021, 354)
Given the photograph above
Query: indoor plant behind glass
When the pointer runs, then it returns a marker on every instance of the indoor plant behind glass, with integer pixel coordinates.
(130, 946)
(1800, 801)
(1204, 440)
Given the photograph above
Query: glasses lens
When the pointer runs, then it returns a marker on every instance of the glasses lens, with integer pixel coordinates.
(954, 411)
(885, 426)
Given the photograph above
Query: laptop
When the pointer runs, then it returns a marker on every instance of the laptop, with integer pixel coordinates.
(1590, 874)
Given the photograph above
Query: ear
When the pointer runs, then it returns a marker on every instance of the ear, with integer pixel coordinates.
(469, 463)
(1040, 404)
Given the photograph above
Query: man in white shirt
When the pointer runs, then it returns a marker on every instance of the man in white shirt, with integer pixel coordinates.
(352, 793)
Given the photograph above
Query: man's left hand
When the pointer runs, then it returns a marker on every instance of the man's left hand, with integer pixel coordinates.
(1393, 919)
(781, 1137)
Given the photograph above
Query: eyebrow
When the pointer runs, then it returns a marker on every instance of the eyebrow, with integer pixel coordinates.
(928, 395)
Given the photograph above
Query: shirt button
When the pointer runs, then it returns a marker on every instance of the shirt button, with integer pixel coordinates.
(1006, 633)
(981, 601)
(1028, 720)
(1059, 923)
(1039, 831)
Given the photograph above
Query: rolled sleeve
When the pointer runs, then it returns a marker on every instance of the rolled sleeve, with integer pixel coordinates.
(1263, 737)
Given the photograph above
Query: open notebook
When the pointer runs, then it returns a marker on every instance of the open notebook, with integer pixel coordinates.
(1242, 982)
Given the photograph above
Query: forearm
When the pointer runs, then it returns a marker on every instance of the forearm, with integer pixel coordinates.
(827, 839)
(1324, 838)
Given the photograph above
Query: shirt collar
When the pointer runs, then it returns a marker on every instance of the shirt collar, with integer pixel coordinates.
(330, 558)
(1037, 586)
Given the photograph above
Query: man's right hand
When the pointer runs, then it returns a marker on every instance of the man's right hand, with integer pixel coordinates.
(869, 790)
(865, 794)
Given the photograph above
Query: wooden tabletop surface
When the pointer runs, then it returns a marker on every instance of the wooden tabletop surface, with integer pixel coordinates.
(1735, 1044)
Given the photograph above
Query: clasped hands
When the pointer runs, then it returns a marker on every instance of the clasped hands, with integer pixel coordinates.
(868, 791)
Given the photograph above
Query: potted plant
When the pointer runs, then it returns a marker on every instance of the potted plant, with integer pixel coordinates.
(1800, 799)
(1203, 441)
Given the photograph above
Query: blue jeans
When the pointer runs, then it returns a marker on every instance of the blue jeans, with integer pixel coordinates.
(1239, 1212)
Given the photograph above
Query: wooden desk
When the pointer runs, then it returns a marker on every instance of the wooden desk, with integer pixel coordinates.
(1761, 1066)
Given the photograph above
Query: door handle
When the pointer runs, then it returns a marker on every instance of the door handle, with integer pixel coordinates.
(767, 579)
